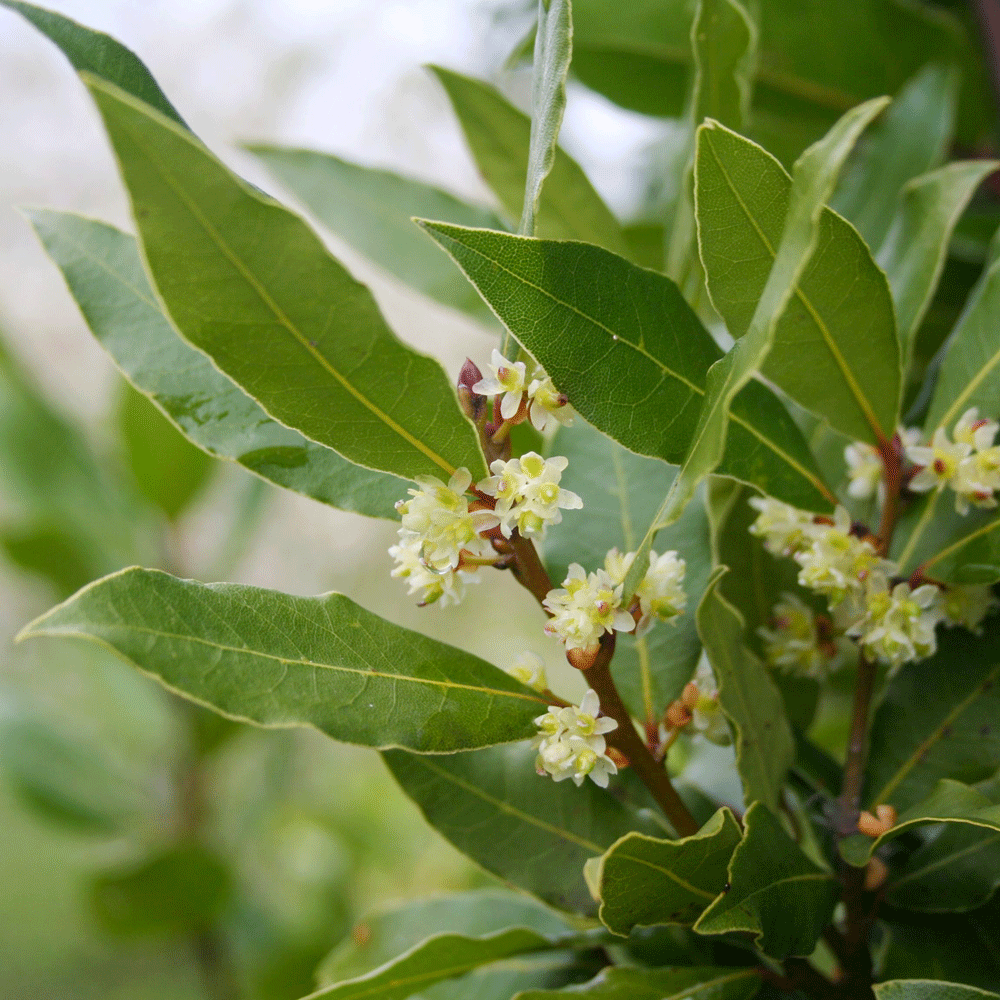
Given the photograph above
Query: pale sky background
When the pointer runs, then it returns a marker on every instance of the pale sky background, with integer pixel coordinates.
(343, 76)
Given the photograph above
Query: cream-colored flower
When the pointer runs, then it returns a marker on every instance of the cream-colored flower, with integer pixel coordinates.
(528, 493)
(446, 587)
(585, 608)
(547, 405)
(899, 624)
(617, 564)
(977, 479)
(784, 529)
(661, 592)
(978, 433)
(706, 713)
(798, 640)
(529, 669)
(571, 744)
(505, 377)
(864, 471)
(968, 606)
(937, 464)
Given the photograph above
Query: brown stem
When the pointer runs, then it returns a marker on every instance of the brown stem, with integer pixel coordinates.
(528, 569)
(854, 768)
(892, 463)
(628, 741)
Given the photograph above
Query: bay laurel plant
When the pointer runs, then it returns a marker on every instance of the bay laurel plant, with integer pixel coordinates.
(745, 460)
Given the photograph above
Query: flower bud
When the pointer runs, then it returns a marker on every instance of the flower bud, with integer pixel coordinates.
(678, 715)
(473, 405)
(875, 875)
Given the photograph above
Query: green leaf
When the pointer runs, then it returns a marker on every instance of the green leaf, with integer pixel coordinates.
(620, 492)
(371, 210)
(928, 989)
(484, 801)
(914, 252)
(626, 348)
(834, 345)
(644, 881)
(765, 747)
(382, 936)
(499, 137)
(776, 893)
(938, 719)
(168, 470)
(553, 51)
(949, 802)
(342, 670)
(623, 983)
(94, 52)
(914, 136)
(52, 552)
(335, 371)
(182, 890)
(104, 272)
(439, 957)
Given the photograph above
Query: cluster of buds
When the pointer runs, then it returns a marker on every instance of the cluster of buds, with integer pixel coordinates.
(893, 623)
(571, 742)
(969, 464)
(535, 399)
(528, 494)
(698, 706)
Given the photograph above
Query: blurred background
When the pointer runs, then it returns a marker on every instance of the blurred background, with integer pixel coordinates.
(107, 781)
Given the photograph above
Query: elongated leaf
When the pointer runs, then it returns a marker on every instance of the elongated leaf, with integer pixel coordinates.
(104, 272)
(776, 893)
(834, 348)
(93, 52)
(950, 802)
(527, 830)
(620, 492)
(440, 957)
(928, 989)
(644, 881)
(384, 935)
(914, 252)
(913, 136)
(290, 326)
(627, 349)
(553, 51)
(372, 209)
(938, 719)
(694, 983)
(499, 137)
(765, 747)
(342, 670)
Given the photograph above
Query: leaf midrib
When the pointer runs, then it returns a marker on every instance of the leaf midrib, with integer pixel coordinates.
(832, 347)
(947, 859)
(670, 874)
(274, 308)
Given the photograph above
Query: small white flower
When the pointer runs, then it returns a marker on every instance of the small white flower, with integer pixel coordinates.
(617, 564)
(978, 433)
(528, 493)
(529, 669)
(864, 470)
(937, 464)
(976, 480)
(586, 607)
(798, 641)
(898, 626)
(571, 744)
(661, 594)
(784, 529)
(506, 377)
(968, 606)
(837, 563)
(447, 587)
(706, 714)
(547, 404)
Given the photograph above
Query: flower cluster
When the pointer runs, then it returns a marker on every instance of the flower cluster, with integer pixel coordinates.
(528, 493)
(660, 593)
(537, 399)
(969, 464)
(798, 641)
(585, 607)
(898, 624)
(699, 706)
(571, 742)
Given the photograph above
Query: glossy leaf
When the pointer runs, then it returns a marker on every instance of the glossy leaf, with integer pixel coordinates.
(105, 275)
(916, 247)
(553, 50)
(372, 211)
(382, 936)
(335, 371)
(483, 801)
(182, 890)
(620, 492)
(644, 881)
(928, 989)
(626, 348)
(913, 136)
(938, 719)
(776, 893)
(693, 983)
(94, 52)
(950, 802)
(499, 137)
(168, 470)
(765, 747)
(343, 670)
(840, 315)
